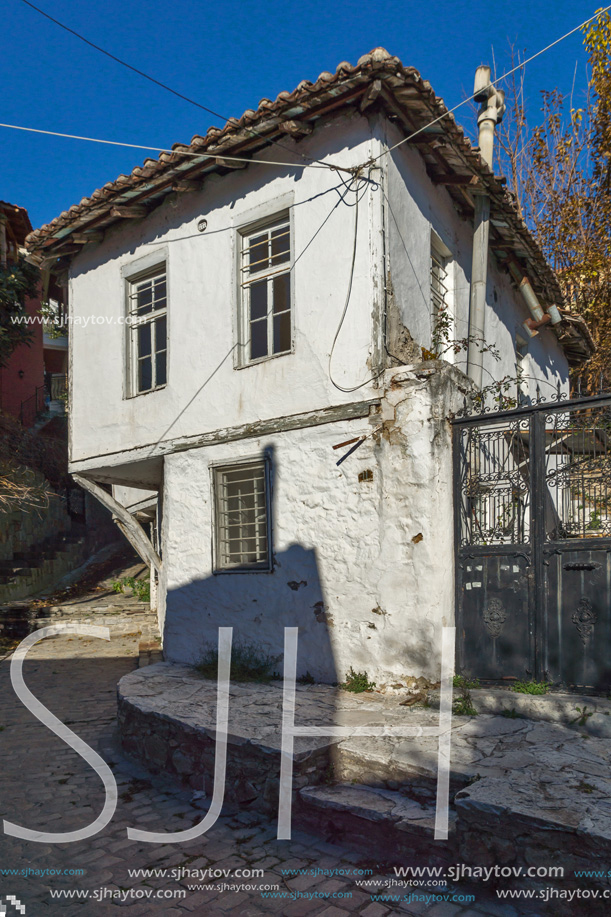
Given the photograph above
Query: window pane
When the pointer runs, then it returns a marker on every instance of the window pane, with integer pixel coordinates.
(144, 340)
(144, 297)
(161, 334)
(258, 253)
(282, 332)
(258, 340)
(258, 300)
(281, 245)
(161, 368)
(160, 293)
(282, 293)
(145, 380)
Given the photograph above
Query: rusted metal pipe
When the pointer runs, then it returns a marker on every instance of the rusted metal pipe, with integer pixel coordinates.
(540, 316)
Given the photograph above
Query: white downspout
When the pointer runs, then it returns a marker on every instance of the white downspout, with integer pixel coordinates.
(491, 113)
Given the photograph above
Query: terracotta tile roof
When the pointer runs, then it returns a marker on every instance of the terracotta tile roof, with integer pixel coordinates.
(378, 80)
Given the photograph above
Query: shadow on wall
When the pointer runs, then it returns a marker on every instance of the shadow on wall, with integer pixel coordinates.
(258, 606)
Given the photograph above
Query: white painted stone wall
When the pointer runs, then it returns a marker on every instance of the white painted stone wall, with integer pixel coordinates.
(416, 207)
(205, 392)
(370, 563)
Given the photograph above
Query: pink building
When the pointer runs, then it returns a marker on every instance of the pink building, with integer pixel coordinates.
(33, 370)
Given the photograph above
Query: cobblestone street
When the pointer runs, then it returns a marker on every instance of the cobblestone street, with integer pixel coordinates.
(47, 786)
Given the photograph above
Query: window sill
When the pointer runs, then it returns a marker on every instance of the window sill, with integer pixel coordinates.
(274, 356)
(150, 391)
(242, 570)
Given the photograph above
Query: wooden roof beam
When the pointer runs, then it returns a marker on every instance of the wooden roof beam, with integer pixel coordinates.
(129, 212)
(295, 128)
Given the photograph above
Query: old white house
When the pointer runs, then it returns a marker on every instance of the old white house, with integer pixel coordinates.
(248, 302)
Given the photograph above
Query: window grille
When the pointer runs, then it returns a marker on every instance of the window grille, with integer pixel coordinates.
(242, 517)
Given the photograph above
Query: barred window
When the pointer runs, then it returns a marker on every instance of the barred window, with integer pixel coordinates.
(242, 517)
(265, 284)
(439, 281)
(147, 310)
(441, 318)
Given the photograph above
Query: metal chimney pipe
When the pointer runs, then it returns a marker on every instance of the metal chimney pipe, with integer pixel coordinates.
(492, 102)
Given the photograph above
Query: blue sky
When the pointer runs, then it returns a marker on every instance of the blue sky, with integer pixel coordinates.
(228, 56)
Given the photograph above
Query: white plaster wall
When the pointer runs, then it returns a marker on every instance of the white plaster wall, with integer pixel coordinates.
(205, 392)
(373, 560)
(130, 496)
(417, 206)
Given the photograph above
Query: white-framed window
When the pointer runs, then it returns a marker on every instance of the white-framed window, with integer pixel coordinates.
(521, 370)
(147, 306)
(242, 527)
(442, 325)
(265, 294)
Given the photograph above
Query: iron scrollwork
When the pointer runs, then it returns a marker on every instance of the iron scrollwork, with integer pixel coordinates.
(584, 618)
(494, 617)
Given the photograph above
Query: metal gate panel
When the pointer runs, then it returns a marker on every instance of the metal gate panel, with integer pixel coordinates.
(496, 634)
(533, 543)
(576, 626)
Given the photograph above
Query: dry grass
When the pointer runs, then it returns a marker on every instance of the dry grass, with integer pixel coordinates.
(29, 465)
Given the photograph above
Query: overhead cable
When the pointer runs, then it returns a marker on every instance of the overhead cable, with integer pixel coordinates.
(494, 82)
(156, 149)
(152, 79)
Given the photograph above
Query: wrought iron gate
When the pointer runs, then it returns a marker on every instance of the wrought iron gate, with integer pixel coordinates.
(533, 543)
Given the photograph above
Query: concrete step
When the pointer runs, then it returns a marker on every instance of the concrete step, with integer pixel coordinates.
(388, 821)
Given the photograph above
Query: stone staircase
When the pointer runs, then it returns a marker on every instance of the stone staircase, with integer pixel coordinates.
(41, 564)
(524, 792)
(392, 822)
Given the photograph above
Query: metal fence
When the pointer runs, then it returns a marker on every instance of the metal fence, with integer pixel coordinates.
(533, 542)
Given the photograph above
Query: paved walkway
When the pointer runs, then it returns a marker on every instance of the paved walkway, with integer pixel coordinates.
(45, 785)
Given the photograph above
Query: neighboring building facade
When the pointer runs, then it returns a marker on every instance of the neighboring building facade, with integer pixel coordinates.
(248, 318)
(35, 373)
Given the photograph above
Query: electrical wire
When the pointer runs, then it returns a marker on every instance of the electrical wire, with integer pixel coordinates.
(232, 226)
(493, 83)
(243, 344)
(353, 388)
(152, 79)
(157, 149)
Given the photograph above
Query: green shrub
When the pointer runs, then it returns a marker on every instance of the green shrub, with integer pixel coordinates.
(357, 682)
(531, 687)
(307, 679)
(141, 587)
(249, 662)
(463, 703)
(463, 706)
(461, 681)
(512, 714)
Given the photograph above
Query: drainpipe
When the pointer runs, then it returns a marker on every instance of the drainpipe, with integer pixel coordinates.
(492, 109)
(539, 316)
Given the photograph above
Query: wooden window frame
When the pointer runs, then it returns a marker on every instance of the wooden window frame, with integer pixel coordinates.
(247, 278)
(135, 321)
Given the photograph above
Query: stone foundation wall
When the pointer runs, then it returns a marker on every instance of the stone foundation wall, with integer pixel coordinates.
(489, 835)
(253, 771)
